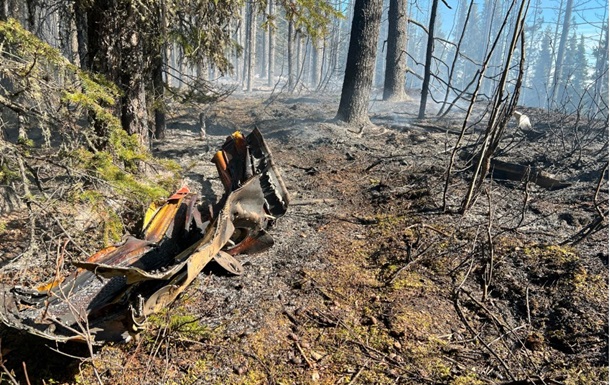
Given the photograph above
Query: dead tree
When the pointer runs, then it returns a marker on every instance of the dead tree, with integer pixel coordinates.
(502, 109)
(428, 65)
(478, 76)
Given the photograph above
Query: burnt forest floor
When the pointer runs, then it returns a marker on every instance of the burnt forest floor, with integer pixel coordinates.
(369, 281)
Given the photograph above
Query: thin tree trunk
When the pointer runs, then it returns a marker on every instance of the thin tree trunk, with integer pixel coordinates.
(159, 92)
(601, 65)
(360, 67)
(428, 65)
(159, 61)
(3, 10)
(82, 38)
(237, 36)
(396, 58)
(315, 64)
(263, 54)
(455, 58)
(298, 59)
(247, 45)
(271, 61)
(502, 110)
(291, 69)
(31, 15)
(252, 46)
(567, 19)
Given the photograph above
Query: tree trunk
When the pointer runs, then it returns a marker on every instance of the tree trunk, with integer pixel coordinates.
(116, 49)
(252, 55)
(381, 48)
(271, 61)
(567, 19)
(31, 16)
(3, 10)
(315, 64)
(263, 54)
(159, 104)
(239, 26)
(250, 59)
(428, 65)
(80, 20)
(246, 44)
(291, 69)
(601, 74)
(396, 58)
(298, 60)
(360, 67)
(158, 84)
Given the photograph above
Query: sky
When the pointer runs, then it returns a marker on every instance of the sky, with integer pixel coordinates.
(589, 15)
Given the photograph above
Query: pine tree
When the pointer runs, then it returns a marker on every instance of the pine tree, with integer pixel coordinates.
(579, 72)
(542, 66)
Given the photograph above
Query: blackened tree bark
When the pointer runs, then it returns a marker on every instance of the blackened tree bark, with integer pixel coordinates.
(360, 67)
(250, 59)
(159, 90)
(396, 58)
(428, 65)
(80, 20)
(116, 49)
(3, 10)
(158, 65)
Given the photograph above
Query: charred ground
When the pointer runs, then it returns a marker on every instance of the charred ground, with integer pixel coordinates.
(369, 281)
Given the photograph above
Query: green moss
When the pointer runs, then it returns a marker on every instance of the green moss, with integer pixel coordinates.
(126, 181)
(8, 175)
(193, 373)
(181, 324)
(409, 280)
(584, 376)
(113, 228)
(253, 376)
(25, 142)
(561, 254)
(467, 379)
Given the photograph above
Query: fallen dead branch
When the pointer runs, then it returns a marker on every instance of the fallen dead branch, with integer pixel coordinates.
(513, 171)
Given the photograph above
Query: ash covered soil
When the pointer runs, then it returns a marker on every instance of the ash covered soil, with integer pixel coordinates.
(369, 281)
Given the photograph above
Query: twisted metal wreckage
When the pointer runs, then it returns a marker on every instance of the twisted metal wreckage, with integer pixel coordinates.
(112, 292)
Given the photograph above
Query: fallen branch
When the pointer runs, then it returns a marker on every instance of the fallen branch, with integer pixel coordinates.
(513, 171)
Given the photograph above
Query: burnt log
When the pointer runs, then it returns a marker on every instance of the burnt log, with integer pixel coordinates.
(513, 171)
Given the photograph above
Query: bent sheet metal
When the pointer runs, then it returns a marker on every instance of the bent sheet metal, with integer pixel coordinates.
(112, 292)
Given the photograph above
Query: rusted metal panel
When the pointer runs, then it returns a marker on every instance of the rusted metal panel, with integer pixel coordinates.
(112, 292)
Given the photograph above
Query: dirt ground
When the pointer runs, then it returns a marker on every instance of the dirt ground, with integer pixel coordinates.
(370, 281)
